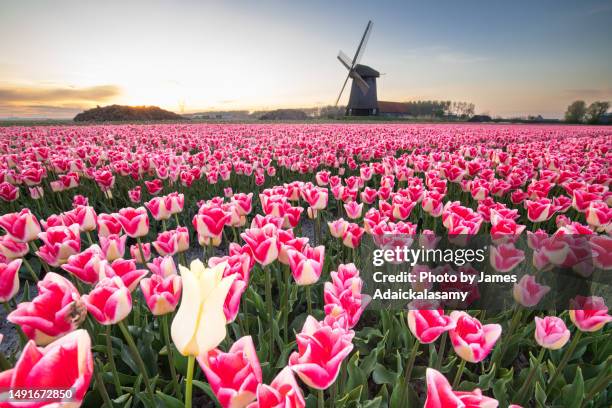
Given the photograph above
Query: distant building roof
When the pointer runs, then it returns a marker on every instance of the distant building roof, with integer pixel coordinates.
(366, 71)
(393, 107)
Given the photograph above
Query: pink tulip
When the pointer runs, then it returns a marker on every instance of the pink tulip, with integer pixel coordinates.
(166, 243)
(353, 210)
(83, 215)
(344, 301)
(8, 192)
(163, 266)
(135, 194)
(472, 340)
(174, 202)
(209, 223)
(234, 376)
(306, 265)
(263, 242)
(66, 363)
(428, 322)
(239, 266)
(352, 236)
(441, 395)
(527, 292)
(11, 249)
(338, 227)
(601, 248)
(581, 199)
(540, 210)
(243, 202)
(22, 226)
(505, 257)
(108, 225)
(157, 207)
(316, 197)
(283, 392)
(598, 214)
(589, 314)
(55, 311)
(113, 246)
(321, 350)
(60, 243)
(154, 187)
(87, 265)
(137, 256)
(551, 332)
(161, 294)
(126, 270)
(109, 302)
(134, 221)
(9, 279)
(79, 200)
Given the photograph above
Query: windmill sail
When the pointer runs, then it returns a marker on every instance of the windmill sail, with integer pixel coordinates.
(351, 64)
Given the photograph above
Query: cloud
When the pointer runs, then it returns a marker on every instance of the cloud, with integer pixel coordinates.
(34, 95)
(37, 111)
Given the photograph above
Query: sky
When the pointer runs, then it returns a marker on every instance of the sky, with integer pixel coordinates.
(510, 58)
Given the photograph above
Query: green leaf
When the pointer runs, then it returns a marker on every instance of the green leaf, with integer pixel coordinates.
(540, 395)
(350, 399)
(573, 394)
(355, 375)
(374, 403)
(166, 401)
(383, 375)
(485, 380)
(207, 390)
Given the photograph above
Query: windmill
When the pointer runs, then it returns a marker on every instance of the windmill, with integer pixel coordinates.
(363, 100)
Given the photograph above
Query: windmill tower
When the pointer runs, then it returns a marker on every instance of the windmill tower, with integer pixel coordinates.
(363, 100)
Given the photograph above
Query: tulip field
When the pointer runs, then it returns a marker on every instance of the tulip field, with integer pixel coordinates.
(223, 265)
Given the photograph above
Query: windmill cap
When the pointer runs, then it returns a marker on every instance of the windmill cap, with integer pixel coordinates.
(364, 71)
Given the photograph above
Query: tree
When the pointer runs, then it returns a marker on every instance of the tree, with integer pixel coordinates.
(595, 111)
(575, 112)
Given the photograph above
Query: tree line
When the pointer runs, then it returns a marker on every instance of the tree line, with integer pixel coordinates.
(578, 112)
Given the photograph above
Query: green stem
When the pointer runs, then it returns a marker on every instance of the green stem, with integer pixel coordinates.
(166, 333)
(458, 375)
(568, 354)
(164, 226)
(137, 358)
(441, 351)
(101, 387)
(308, 300)
(516, 318)
(141, 251)
(34, 249)
(321, 399)
(30, 269)
(89, 237)
(410, 363)
(268, 281)
(189, 384)
(530, 377)
(111, 361)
